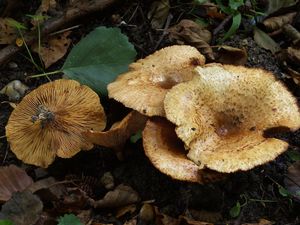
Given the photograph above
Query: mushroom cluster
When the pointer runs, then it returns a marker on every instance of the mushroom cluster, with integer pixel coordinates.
(199, 121)
(206, 120)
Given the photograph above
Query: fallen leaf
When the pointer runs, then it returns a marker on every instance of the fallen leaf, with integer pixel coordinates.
(8, 33)
(131, 222)
(203, 215)
(293, 56)
(158, 13)
(275, 5)
(265, 41)
(121, 196)
(189, 32)
(187, 221)
(277, 22)
(24, 208)
(260, 222)
(230, 55)
(12, 179)
(53, 49)
(147, 213)
(128, 209)
(48, 189)
(292, 181)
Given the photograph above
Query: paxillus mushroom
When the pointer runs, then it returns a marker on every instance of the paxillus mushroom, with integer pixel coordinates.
(144, 87)
(50, 121)
(166, 152)
(119, 133)
(221, 116)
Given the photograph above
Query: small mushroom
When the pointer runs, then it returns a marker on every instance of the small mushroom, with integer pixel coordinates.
(166, 152)
(119, 133)
(221, 116)
(50, 120)
(144, 87)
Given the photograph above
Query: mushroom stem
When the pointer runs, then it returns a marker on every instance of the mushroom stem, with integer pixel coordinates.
(44, 115)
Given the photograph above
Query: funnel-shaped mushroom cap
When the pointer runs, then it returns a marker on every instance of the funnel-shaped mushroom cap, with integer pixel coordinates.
(118, 134)
(144, 87)
(221, 116)
(50, 120)
(166, 152)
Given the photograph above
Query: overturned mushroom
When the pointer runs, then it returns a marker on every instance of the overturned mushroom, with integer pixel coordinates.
(119, 133)
(50, 120)
(144, 87)
(221, 116)
(166, 152)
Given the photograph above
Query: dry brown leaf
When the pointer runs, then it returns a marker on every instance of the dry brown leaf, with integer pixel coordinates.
(121, 196)
(131, 222)
(45, 6)
(8, 34)
(48, 189)
(147, 213)
(158, 13)
(163, 219)
(265, 41)
(125, 209)
(260, 222)
(24, 208)
(12, 179)
(295, 75)
(187, 221)
(229, 55)
(277, 22)
(53, 49)
(189, 32)
(203, 215)
(293, 56)
(292, 182)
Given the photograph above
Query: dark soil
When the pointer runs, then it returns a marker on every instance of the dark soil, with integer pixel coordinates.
(257, 189)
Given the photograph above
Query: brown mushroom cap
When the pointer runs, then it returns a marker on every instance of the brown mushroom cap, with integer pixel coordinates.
(221, 116)
(50, 120)
(118, 134)
(144, 87)
(166, 152)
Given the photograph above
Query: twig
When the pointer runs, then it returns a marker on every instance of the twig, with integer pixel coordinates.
(165, 31)
(71, 14)
(220, 27)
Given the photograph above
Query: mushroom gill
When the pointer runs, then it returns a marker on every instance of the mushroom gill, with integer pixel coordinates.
(50, 120)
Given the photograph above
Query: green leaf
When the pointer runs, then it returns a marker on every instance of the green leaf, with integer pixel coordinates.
(13, 23)
(225, 9)
(199, 2)
(235, 4)
(6, 222)
(69, 219)
(283, 192)
(235, 210)
(293, 155)
(236, 21)
(265, 41)
(136, 137)
(99, 58)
